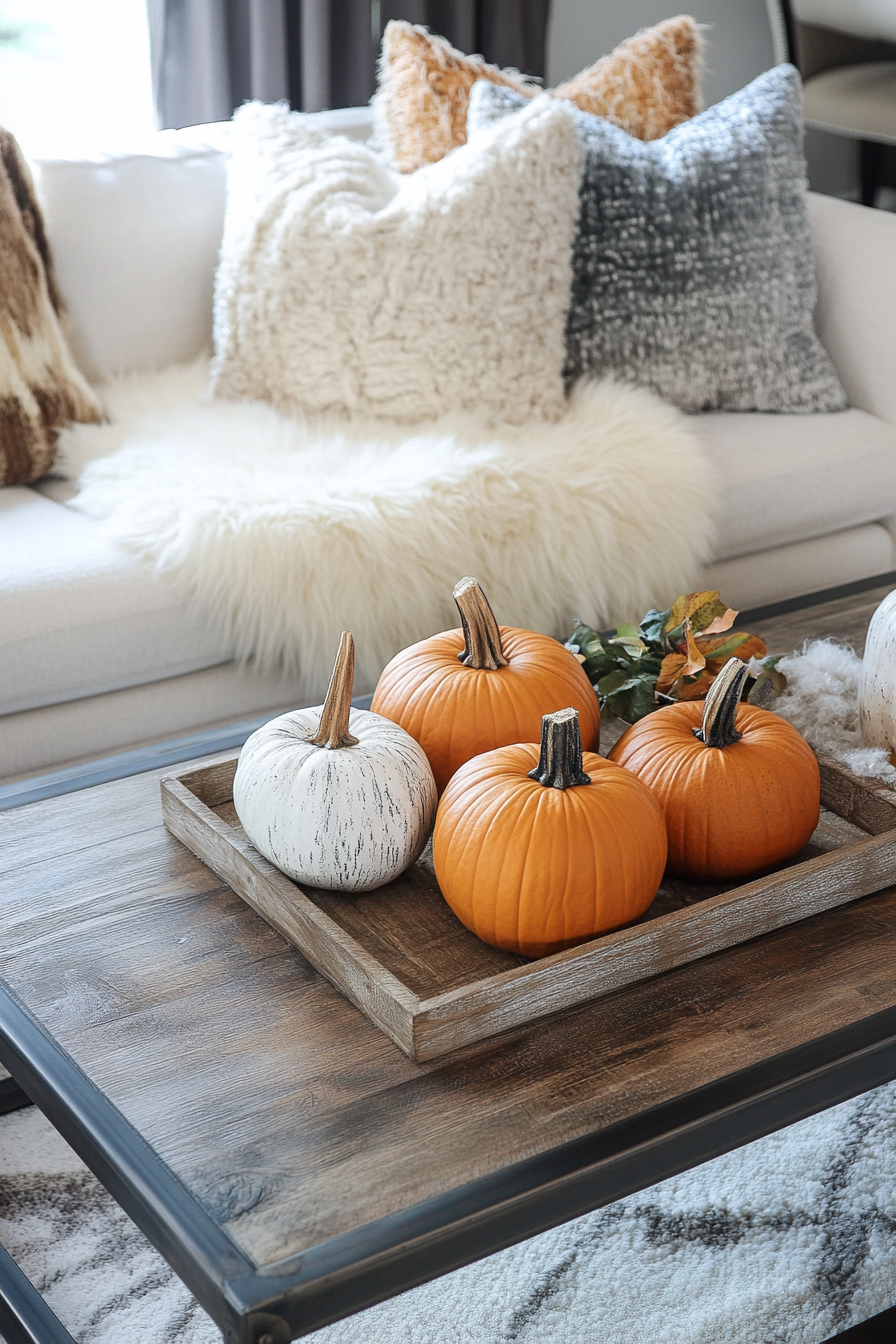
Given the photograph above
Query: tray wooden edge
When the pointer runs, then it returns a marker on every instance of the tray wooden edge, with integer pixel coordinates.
(867, 803)
(380, 995)
(426, 1029)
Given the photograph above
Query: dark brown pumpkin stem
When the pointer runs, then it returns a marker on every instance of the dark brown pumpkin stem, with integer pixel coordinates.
(333, 730)
(560, 763)
(720, 707)
(482, 638)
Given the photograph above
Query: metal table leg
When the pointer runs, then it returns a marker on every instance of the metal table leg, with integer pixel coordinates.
(25, 1317)
(12, 1098)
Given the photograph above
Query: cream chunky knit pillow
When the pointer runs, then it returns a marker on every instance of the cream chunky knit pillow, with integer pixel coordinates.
(346, 288)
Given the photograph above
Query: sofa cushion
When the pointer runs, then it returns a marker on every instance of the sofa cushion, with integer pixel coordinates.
(650, 83)
(693, 269)
(81, 616)
(345, 288)
(784, 479)
(135, 237)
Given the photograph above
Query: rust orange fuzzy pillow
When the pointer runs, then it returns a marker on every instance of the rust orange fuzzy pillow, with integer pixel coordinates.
(649, 84)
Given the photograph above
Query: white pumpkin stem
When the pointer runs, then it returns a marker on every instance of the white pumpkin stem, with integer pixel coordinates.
(720, 707)
(482, 638)
(560, 764)
(333, 730)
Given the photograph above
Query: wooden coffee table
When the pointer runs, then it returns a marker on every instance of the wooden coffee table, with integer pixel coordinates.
(290, 1163)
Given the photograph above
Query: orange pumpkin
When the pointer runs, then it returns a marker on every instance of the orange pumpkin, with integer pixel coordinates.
(538, 850)
(738, 786)
(468, 691)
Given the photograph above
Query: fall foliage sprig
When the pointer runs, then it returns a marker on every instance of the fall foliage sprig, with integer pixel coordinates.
(674, 654)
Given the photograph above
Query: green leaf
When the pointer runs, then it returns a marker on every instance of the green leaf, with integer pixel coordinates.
(765, 692)
(634, 702)
(628, 642)
(651, 626)
(615, 681)
(626, 632)
(674, 638)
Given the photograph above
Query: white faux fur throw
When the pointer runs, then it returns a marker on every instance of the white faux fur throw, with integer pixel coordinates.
(287, 532)
(346, 288)
(822, 701)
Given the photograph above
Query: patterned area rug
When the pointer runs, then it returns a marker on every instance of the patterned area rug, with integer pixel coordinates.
(786, 1241)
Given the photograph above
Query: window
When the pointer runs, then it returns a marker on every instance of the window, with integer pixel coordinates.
(75, 75)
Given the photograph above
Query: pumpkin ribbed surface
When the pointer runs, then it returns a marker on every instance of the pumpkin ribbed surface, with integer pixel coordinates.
(457, 712)
(533, 869)
(731, 810)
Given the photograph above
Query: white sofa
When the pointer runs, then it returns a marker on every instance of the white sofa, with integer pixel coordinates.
(98, 654)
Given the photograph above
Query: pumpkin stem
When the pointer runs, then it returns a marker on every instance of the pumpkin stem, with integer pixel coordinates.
(720, 708)
(560, 763)
(482, 638)
(333, 730)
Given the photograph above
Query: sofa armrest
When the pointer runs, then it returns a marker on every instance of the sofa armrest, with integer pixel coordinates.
(855, 258)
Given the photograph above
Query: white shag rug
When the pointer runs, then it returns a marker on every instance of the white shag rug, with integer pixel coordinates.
(786, 1241)
(287, 532)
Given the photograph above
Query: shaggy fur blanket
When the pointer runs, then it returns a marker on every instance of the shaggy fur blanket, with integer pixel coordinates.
(287, 532)
(822, 701)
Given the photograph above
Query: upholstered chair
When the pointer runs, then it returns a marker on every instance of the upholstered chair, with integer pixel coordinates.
(846, 53)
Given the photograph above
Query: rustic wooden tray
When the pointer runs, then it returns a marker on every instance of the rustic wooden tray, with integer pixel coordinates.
(402, 957)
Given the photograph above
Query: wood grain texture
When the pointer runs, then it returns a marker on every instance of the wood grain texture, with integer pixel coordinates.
(296, 1119)
(845, 619)
(867, 803)
(282, 1107)
(402, 957)
(286, 907)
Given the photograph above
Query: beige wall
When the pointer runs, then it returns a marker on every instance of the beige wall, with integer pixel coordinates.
(740, 41)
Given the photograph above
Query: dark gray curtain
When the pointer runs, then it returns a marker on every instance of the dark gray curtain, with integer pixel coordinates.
(505, 32)
(209, 56)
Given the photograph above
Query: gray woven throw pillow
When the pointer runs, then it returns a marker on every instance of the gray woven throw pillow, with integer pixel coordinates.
(693, 268)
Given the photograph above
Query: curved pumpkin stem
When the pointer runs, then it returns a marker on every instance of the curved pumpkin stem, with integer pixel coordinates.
(482, 638)
(333, 730)
(560, 763)
(720, 708)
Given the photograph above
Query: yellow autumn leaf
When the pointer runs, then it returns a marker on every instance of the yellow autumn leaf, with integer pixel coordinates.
(695, 660)
(684, 607)
(671, 670)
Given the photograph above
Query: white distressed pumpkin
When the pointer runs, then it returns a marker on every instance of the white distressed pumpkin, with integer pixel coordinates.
(877, 688)
(349, 817)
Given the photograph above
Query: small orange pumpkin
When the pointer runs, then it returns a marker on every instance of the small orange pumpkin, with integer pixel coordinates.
(738, 786)
(539, 850)
(468, 691)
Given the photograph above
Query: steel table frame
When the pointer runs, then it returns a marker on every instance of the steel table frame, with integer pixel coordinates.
(386, 1257)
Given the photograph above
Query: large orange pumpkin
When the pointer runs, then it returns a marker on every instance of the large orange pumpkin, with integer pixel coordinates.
(739, 787)
(468, 691)
(538, 850)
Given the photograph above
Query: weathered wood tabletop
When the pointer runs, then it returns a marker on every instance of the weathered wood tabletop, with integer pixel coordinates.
(290, 1116)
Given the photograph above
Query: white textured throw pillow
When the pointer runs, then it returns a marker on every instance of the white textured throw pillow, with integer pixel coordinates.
(346, 288)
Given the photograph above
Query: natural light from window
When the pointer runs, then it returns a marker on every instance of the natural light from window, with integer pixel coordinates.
(75, 75)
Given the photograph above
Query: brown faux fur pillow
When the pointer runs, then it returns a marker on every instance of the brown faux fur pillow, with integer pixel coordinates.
(649, 84)
(40, 387)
